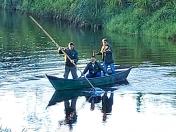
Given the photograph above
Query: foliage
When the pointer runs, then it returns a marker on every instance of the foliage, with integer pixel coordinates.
(153, 17)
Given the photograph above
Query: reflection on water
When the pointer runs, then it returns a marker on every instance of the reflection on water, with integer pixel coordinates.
(139, 101)
(107, 103)
(146, 103)
(69, 98)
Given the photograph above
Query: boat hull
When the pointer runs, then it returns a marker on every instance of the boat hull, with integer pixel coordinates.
(82, 83)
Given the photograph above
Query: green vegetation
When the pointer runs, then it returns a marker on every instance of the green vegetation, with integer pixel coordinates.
(149, 17)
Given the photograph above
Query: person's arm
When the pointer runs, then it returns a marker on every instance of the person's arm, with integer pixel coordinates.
(98, 53)
(101, 51)
(86, 69)
(61, 49)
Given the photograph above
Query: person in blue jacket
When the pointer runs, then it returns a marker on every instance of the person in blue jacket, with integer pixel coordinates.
(70, 64)
(93, 68)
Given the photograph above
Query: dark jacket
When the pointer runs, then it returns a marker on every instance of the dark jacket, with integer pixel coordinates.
(93, 70)
(107, 56)
(108, 59)
(73, 54)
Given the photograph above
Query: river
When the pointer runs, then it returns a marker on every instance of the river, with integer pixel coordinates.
(146, 103)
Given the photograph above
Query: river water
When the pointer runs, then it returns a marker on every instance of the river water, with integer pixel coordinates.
(146, 103)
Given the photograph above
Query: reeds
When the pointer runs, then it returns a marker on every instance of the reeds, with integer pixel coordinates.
(150, 17)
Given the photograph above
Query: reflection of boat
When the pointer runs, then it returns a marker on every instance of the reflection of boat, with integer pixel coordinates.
(81, 83)
(64, 95)
(69, 98)
(60, 96)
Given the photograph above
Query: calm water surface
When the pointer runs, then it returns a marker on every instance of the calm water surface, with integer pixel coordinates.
(146, 103)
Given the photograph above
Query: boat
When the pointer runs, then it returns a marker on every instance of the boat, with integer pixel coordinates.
(82, 83)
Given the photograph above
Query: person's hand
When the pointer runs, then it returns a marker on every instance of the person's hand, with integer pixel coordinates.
(81, 75)
(98, 53)
(72, 61)
(106, 74)
(61, 48)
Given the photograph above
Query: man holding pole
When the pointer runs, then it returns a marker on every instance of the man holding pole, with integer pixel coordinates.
(71, 55)
(70, 63)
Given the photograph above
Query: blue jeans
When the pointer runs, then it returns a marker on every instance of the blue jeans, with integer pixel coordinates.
(98, 74)
(73, 71)
(111, 66)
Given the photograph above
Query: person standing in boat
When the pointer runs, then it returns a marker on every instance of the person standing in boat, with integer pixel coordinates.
(107, 57)
(70, 64)
(94, 69)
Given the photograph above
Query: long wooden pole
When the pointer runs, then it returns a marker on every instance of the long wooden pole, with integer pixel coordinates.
(57, 45)
(47, 34)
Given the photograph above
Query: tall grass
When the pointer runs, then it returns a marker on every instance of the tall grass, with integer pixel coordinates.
(151, 17)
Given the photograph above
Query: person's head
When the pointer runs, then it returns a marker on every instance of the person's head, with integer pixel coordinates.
(70, 116)
(93, 59)
(104, 42)
(104, 116)
(71, 45)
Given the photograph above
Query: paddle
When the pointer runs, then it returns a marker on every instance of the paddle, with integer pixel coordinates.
(57, 45)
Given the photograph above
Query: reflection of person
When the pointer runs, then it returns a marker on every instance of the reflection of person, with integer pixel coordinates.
(70, 65)
(70, 112)
(139, 99)
(107, 57)
(94, 68)
(107, 105)
(93, 99)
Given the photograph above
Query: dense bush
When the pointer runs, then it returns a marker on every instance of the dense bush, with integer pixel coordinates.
(151, 17)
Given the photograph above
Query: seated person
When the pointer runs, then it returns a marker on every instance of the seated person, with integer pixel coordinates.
(94, 69)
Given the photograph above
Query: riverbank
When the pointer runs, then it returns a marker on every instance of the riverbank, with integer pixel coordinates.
(151, 18)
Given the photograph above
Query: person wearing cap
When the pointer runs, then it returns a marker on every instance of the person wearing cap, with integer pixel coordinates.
(93, 68)
(107, 57)
(70, 63)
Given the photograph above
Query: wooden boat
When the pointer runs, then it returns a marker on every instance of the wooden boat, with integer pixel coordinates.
(82, 83)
